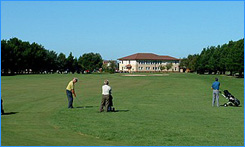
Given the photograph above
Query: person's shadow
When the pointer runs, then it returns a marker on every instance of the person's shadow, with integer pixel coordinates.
(84, 107)
(120, 111)
(9, 113)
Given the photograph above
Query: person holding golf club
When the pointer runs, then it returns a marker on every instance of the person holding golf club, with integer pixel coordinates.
(106, 92)
(70, 90)
(215, 88)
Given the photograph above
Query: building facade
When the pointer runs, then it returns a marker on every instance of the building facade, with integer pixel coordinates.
(148, 62)
(108, 62)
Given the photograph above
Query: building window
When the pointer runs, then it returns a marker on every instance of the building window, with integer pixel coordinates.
(140, 68)
(148, 68)
(122, 62)
(128, 61)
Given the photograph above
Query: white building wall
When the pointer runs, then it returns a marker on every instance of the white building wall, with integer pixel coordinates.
(145, 65)
(122, 65)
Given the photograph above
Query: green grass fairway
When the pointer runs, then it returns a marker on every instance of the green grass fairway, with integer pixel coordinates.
(169, 110)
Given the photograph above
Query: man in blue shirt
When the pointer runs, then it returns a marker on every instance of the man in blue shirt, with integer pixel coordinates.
(215, 87)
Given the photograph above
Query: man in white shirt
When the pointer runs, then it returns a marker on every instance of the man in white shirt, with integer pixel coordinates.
(106, 92)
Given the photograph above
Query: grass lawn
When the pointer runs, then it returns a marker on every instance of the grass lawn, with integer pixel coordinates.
(170, 110)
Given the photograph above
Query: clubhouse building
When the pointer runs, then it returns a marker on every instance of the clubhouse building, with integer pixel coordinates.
(147, 62)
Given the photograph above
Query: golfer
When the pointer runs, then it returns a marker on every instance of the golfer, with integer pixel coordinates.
(106, 92)
(215, 87)
(70, 90)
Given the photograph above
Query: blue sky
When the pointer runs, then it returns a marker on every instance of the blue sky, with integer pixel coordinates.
(120, 28)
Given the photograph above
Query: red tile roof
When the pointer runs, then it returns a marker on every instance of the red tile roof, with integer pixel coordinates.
(147, 56)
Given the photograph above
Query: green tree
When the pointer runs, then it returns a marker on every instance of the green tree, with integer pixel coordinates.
(15, 55)
(26, 57)
(5, 57)
(184, 63)
(39, 54)
(211, 63)
(69, 63)
(226, 57)
(112, 66)
(235, 60)
(91, 61)
(223, 53)
(162, 67)
(77, 67)
(230, 64)
(192, 64)
(80, 64)
(239, 57)
(109, 67)
(61, 61)
(51, 61)
(202, 61)
(169, 66)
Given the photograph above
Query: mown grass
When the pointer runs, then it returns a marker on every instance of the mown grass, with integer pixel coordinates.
(172, 110)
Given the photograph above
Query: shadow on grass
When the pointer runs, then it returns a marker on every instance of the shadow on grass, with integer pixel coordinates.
(120, 111)
(84, 107)
(9, 113)
(230, 106)
(114, 111)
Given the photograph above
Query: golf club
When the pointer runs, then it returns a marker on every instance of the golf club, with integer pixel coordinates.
(79, 101)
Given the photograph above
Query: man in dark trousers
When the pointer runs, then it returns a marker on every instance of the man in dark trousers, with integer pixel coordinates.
(106, 92)
(70, 89)
(215, 87)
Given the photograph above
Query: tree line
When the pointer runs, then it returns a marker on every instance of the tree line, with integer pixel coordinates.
(219, 59)
(18, 57)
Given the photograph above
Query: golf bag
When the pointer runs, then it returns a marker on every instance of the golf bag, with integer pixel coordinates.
(232, 100)
(110, 108)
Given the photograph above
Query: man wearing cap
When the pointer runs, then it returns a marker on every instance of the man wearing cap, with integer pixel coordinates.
(215, 87)
(70, 90)
(106, 92)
